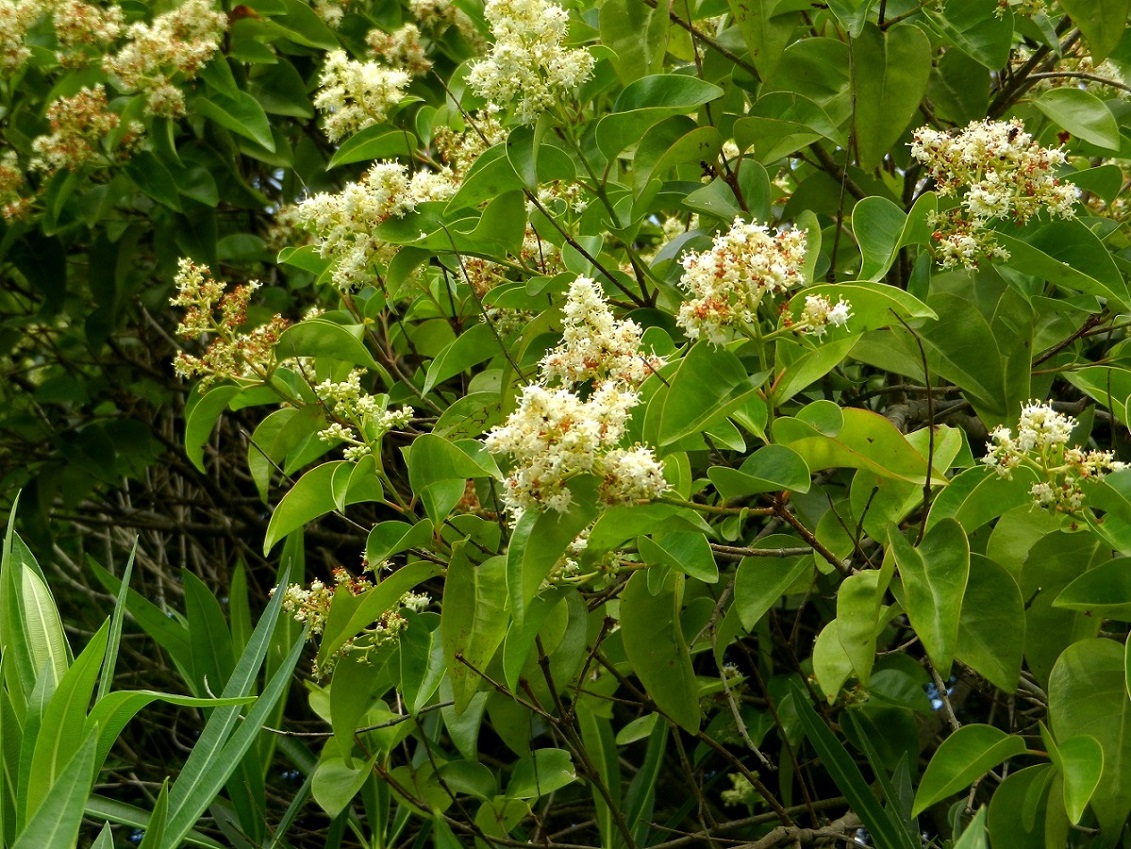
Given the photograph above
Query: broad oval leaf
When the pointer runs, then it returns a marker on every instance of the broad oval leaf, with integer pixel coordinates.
(968, 753)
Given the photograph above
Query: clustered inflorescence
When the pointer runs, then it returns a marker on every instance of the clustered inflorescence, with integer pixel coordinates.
(311, 607)
(361, 419)
(1041, 444)
(999, 173)
(572, 421)
(528, 66)
(344, 223)
(233, 353)
(747, 263)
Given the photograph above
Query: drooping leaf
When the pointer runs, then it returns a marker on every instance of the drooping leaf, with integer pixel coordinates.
(473, 620)
(965, 755)
(890, 73)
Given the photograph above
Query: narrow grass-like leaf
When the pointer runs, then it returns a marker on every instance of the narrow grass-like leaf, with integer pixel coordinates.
(56, 822)
(155, 832)
(115, 638)
(885, 831)
(198, 774)
(101, 808)
(217, 770)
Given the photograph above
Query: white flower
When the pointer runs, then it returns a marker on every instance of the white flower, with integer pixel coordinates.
(728, 282)
(819, 312)
(353, 95)
(528, 65)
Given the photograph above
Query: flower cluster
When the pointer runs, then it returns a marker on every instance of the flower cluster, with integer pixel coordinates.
(528, 65)
(13, 204)
(344, 223)
(79, 24)
(16, 17)
(998, 172)
(311, 607)
(1041, 444)
(232, 354)
(575, 428)
(819, 312)
(361, 419)
(78, 124)
(354, 95)
(729, 281)
(459, 150)
(401, 48)
(181, 41)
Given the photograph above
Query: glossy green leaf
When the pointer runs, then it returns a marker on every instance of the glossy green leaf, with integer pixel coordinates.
(781, 123)
(765, 34)
(964, 756)
(637, 33)
(539, 541)
(771, 468)
(656, 648)
(371, 143)
(1102, 23)
(545, 771)
(974, 835)
(761, 581)
(321, 338)
(874, 305)
(934, 580)
(1104, 591)
(858, 605)
(242, 115)
(647, 101)
(890, 73)
(685, 551)
(982, 32)
(1108, 385)
(150, 175)
(882, 228)
(1082, 114)
(831, 664)
(473, 621)
(1080, 761)
(619, 523)
(310, 497)
(1087, 696)
(866, 441)
(991, 632)
(979, 495)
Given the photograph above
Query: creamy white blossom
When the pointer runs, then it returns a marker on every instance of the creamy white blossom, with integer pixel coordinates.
(1040, 444)
(528, 66)
(354, 95)
(728, 282)
(819, 313)
(997, 171)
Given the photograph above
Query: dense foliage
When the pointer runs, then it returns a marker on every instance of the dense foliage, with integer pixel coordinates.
(703, 421)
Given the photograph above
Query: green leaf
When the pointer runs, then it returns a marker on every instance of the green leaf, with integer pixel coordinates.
(150, 175)
(890, 73)
(847, 776)
(473, 620)
(1080, 761)
(350, 614)
(321, 338)
(1082, 114)
(765, 34)
(974, 835)
(61, 727)
(639, 35)
(311, 496)
(1107, 385)
(882, 228)
(874, 305)
(1087, 696)
(772, 468)
(56, 822)
(539, 541)
(858, 604)
(202, 418)
(867, 440)
(981, 31)
(243, 116)
(781, 123)
(101, 808)
(979, 495)
(375, 142)
(155, 833)
(831, 664)
(991, 632)
(393, 537)
(647, 101)
(1104, 591)
(685, 551)
(335, 783)
(1101, 21)
(540, 774)
(655, 645)
(760, 582)
(707, 386)
(934, 580)
(618, 523)
(106, 677)
(965, 755)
